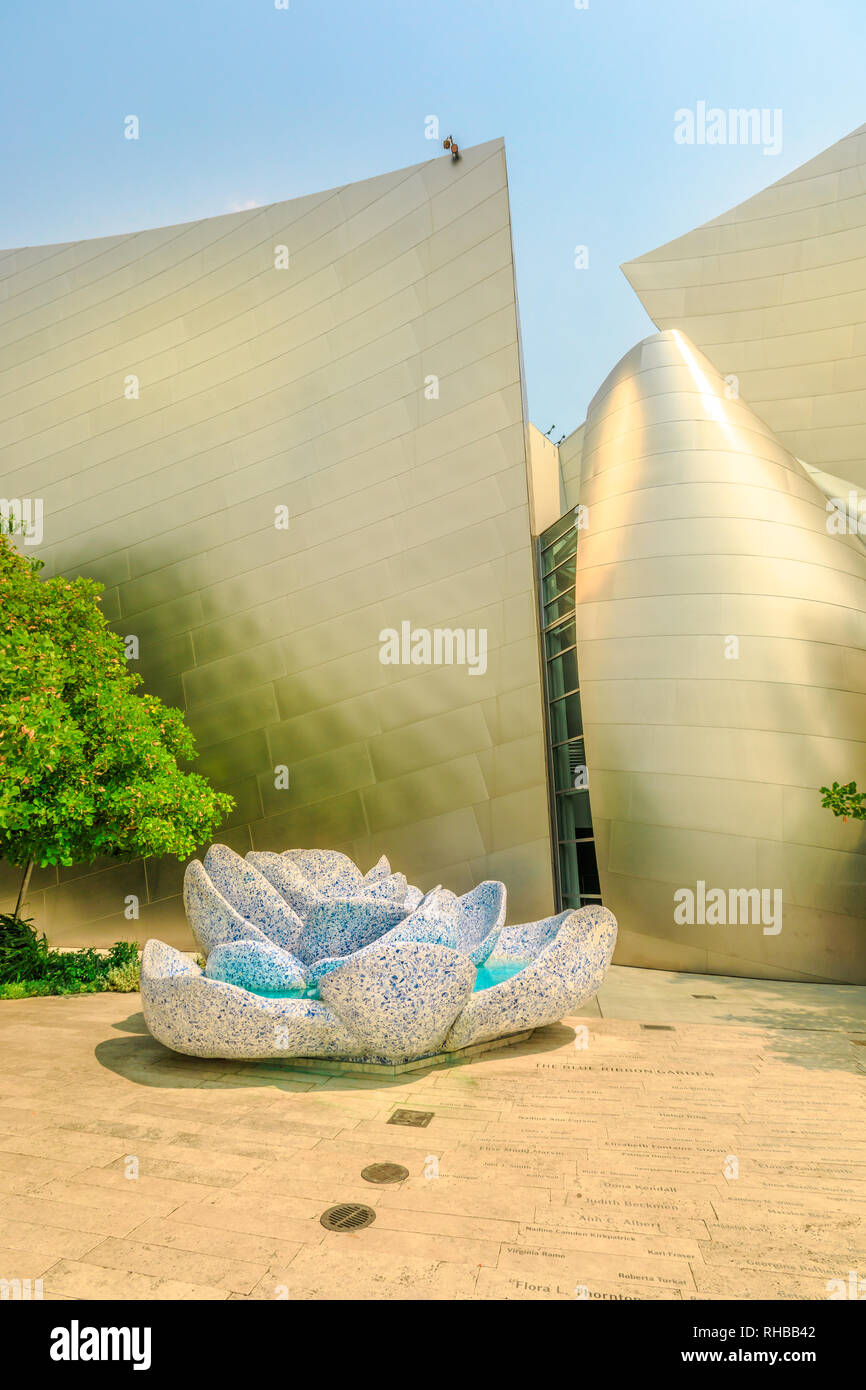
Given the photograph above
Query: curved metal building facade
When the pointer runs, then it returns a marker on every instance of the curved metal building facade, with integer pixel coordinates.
(281, 435)
(774, 292)
(351, 357)
(722, 668)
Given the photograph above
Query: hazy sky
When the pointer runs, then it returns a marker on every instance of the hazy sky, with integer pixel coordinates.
(243, 103)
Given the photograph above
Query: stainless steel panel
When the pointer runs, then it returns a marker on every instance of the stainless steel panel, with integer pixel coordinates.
(705, 759)
(304, 387)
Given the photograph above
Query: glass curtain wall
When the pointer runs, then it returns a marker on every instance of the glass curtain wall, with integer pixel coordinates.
(576, 868)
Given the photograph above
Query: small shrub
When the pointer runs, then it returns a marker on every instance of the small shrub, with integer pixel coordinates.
(122, 953)
(22, 952)
(123, 979)
(18, 990)
(845, 801)
(88, 765)
(29, 967)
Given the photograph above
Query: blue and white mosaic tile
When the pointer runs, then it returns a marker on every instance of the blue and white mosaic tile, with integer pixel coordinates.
(379, 870)
(340, 914)
(259, 966)
(206, 1018)
(396, 974)
(327, 870)
(250, 893)
(211, 917)
(567, 958)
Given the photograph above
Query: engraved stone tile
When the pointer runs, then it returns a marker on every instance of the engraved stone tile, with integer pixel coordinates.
(538, 1178)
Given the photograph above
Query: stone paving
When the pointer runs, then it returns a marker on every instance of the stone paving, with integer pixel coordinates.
(603, 1158)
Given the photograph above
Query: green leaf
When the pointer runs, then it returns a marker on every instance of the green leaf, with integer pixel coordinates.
(88, 765)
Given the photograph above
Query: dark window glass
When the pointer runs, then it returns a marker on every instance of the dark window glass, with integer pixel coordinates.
(562, 531)
(568, 759)
(559, 638)
(565, 720)
(568, 880)
(578, 870)
(562, 674)
(572, 815)
(560, 581)
(587, 869)
(559, 607)
(566, 545)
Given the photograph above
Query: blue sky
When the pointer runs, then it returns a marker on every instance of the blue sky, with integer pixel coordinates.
(242, 103)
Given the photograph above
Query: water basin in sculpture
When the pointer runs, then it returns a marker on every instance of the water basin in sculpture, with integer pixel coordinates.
(488, 975)
(311, 993)
(485, 977)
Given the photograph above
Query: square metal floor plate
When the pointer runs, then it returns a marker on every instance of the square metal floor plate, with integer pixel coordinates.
(420, 1118)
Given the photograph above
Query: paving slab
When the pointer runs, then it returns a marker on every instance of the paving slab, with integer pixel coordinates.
(721, 1155)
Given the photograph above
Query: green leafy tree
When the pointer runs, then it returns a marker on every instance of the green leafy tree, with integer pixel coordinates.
(845, 801)
(88, 766)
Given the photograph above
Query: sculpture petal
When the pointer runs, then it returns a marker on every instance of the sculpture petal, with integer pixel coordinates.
(399, 999)
(433, 918)
(288, 879)
(380, 869)
(391, 886)
(302, 889)
(566, 972)
(340, 928)
(480, 919)
(470, 924)
(528, 940)
(186, 1011)
(252, 895)
(254, 965)
(332, 926)
(211, 917)
(329, 871)
(437, 929)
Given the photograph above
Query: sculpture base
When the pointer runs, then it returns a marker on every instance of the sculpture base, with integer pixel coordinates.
(438, 1059)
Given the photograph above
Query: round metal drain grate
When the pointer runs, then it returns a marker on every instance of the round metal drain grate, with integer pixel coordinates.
(384, 1172)
(348, 1216)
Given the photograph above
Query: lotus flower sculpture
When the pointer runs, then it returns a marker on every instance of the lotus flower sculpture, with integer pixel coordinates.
(306, 956)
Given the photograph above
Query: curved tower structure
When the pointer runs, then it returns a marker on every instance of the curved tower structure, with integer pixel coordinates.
(774, 291)
(720, 634)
